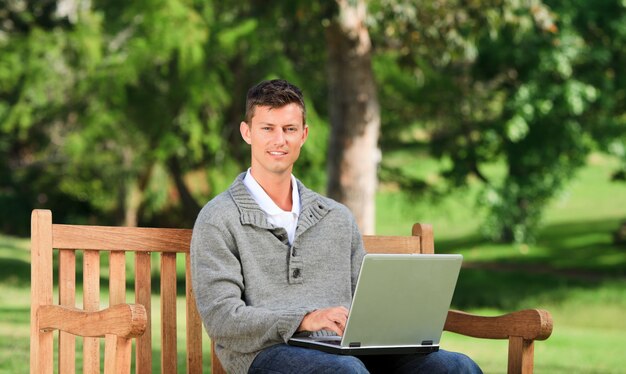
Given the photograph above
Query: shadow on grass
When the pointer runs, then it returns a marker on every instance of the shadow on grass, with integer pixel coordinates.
(14, 272)
(513, 290)
(14, 262)
(585, 247)
(17, 315)
(568, 256)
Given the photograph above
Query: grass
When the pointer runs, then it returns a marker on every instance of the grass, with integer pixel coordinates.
(573, 270)
(14, 305)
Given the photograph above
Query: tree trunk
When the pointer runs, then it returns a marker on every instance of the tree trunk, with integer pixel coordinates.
(190, 207)
(353, 155)
(131, 190)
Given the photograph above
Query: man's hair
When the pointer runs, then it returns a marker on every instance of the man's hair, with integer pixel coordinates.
(274, 93)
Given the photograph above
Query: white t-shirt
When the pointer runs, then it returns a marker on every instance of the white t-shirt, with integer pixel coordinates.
(275, 215)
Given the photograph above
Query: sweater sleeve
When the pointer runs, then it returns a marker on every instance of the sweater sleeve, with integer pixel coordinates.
(357, 254)
(218, 285)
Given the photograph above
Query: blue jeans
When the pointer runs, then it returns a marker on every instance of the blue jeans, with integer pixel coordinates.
(287, 359)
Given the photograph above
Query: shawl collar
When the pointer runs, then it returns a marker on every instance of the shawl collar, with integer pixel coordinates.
(313, 207)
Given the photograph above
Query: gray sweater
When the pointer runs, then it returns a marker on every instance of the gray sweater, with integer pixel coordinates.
(252, 288)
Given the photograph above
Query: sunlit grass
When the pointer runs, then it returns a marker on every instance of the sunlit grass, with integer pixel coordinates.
(573, 270)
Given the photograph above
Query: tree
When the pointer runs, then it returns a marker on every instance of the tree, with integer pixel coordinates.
(353, 155)
(499, 83)
(144, 99)
(156, 90)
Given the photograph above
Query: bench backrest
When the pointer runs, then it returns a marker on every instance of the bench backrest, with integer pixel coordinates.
(112, 244)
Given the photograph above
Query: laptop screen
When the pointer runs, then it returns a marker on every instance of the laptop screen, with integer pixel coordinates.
(401, 300)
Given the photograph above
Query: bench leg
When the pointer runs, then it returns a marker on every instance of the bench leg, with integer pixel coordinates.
(216, 365)
(521, 353)
(120, 355)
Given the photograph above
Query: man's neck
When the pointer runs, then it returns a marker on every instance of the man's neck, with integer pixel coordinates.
(277, 186)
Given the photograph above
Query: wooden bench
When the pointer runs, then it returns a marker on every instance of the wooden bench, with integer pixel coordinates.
(120, 322)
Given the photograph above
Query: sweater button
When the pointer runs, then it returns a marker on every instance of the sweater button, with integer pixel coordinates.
(296, 273)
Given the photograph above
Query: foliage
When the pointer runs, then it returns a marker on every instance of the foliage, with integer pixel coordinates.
(36, 77)
(144, 93)
(129, 110)
(504, 82)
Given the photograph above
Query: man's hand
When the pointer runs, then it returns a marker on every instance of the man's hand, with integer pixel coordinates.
(333, 319)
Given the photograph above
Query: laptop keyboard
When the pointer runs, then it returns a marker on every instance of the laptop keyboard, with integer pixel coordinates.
(325, 336)
(322, 334)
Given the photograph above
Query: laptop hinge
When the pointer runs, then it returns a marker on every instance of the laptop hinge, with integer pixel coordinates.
(427, 342)
(354, 345)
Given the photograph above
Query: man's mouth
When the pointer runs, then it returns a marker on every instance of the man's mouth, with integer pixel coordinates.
(277, 153)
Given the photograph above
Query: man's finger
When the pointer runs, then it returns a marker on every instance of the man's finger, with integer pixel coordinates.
(341, 320)
(336, 328)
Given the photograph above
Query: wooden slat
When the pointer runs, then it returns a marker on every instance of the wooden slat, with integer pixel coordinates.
(117, 295)
(41, 356)
(521, 354)
(67, 297)
(136, 239)
(168, 313)
(117, 278)
(427, 237)
(391, 244)
(143, 287)
(194, 325)
(125, 320)
(91, 302)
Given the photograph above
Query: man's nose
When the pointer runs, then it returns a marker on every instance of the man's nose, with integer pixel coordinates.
(279, 137)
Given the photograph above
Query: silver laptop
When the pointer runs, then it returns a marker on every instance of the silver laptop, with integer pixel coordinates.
(400, 306)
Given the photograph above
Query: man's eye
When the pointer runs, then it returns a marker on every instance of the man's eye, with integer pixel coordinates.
(291, 129)
(266, 128)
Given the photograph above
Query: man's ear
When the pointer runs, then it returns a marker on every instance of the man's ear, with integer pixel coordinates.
(305, 134)
(244, 129)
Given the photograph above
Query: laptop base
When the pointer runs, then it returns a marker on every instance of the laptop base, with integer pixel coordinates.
(362, 351)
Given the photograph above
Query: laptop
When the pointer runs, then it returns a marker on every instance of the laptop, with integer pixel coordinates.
(400, 306)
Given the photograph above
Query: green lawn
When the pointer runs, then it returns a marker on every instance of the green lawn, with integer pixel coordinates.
(14, 305)
(573, 270)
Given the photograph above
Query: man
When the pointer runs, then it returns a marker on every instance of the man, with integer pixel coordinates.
(270, 257)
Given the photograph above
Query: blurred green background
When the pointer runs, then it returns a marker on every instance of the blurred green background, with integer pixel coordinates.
(503, 123)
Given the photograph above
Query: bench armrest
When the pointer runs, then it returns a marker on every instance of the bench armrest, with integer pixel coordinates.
(122, 320)
(530, 324)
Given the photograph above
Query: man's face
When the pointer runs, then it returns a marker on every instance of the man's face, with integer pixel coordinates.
(275, 136)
